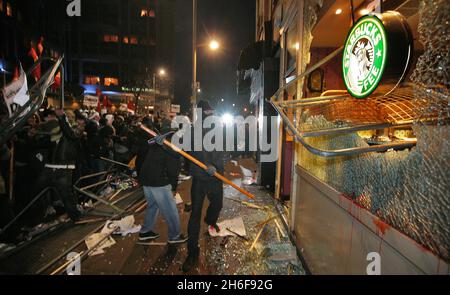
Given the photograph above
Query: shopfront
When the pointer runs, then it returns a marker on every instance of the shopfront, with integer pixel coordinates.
(363, 100)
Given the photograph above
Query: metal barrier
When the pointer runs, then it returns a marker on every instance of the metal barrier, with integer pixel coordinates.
(27, 207)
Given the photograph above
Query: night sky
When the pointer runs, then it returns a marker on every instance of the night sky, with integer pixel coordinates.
(232, 23)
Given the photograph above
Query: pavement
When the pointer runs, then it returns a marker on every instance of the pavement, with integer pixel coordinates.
(272, 253)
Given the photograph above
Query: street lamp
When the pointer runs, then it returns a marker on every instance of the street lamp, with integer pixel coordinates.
(214, 45)
(162, 72)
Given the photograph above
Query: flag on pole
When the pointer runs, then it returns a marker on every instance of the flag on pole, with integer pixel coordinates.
(16, 92)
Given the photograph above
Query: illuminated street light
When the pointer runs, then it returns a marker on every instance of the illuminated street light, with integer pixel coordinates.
(227, 119)
(162, 72)
(234, 105)
(222, 100)
(214, 45)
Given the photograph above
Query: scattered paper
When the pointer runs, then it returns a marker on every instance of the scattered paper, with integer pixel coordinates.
(236, 225)
(234, 162)
(94, 239)
(125, 226)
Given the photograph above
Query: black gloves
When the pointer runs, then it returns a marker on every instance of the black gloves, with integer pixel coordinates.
(160, 139)
(211, 170)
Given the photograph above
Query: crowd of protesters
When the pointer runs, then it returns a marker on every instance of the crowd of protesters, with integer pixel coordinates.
(55, 148)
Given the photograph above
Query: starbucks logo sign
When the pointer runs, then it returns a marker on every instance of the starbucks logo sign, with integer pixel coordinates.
(364, 57)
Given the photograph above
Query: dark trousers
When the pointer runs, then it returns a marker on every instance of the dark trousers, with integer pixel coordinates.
(61, 180)
(213, 190)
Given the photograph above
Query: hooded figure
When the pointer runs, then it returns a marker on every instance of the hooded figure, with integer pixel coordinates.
(204, 184)
(158, 169)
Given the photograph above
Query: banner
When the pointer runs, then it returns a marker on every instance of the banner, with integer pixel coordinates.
(175, 108)
(16, 92)
(90, 101)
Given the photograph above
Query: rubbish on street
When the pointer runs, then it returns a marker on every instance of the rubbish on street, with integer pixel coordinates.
(94, 243)
(236, 224)
(123, 227)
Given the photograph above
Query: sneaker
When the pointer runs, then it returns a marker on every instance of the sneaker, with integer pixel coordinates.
(148, 236)
(178, 240)
(214, 230)
(190, 262)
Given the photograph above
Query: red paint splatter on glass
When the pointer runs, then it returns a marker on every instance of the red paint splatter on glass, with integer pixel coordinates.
(381, 226)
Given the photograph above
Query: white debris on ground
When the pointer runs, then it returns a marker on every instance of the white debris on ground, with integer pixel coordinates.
(235, 224)
(273, 252)
(93, 242)
(123, 227)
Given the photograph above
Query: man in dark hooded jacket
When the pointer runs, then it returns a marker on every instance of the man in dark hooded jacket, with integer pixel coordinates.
(158, 169)
(204, 184)
(60, 162)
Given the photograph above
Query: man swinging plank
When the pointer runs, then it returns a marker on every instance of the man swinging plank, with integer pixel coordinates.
(207, 182)
(198, 163)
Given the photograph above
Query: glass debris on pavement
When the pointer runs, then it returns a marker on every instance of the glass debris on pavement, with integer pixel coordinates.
(273, 253)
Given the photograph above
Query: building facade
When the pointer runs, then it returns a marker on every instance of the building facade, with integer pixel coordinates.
(113, 47)
(352, 168)
(119, 46)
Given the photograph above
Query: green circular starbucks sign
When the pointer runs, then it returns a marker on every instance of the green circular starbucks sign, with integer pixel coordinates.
(364, 57)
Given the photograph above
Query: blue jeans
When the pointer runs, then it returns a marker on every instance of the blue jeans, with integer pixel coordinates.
(161, 199)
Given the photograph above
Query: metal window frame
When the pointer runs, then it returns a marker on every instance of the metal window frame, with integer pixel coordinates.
(301, 136)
